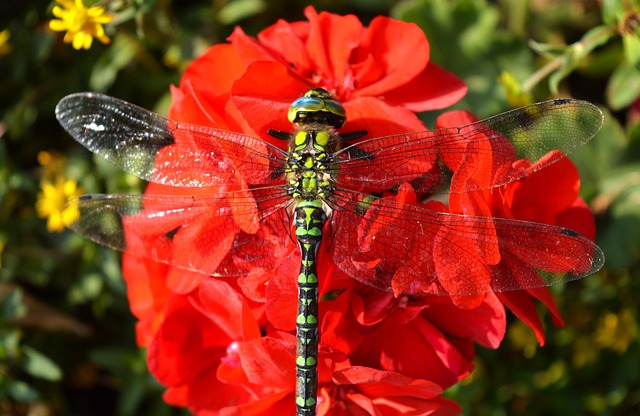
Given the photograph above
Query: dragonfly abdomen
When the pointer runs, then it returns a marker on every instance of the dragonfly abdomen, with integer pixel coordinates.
(309, 218)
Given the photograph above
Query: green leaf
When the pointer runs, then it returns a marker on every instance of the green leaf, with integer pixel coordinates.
(619, 239)
(612, 11)
(233, 11)
(40, 366)
(546, 50)
(631, 43)
(21, 391)
(133, 394)
(596, 159)
(9, 345)
(575, 55)
(624, 86)
(87, 288)
(12, 305)
(116, 57)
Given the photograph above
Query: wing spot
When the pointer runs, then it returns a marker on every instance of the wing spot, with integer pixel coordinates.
(569, 232)
(95, 127)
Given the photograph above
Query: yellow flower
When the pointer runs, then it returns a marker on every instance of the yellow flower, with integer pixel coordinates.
(585, 351)
(52, 199)
(522, 338)
(82, 23)
(5, 48)
(512, 88)
(52, 163)
(616, 331)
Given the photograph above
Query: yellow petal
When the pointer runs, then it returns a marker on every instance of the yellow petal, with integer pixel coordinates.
(57, 25)
(69, 36)
(87, 40)
(77, 41)
(70, 213)
(104, 39)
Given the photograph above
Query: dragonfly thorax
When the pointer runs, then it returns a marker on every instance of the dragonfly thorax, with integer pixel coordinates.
(310, 167)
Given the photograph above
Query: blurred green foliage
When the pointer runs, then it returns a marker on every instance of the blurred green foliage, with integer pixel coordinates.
(66, 336)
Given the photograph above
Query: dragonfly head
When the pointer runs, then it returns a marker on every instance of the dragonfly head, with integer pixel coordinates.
(317, 106)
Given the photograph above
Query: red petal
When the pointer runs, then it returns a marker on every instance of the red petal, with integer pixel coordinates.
(183, 281)
(391, 346)
(462, 261)
(265, 104)
(523, 306)
(248, 48)
(202, 401)
(378, 383)
(203, 245)
(221, 63)
(340, 330)
(332, 39)
(452, 151)
(531, 201)
(433, 89)
(172, 357)
(578, 218)
(191, 106)
(400, 48)
(228, 310)
(268, 362)
(282, 40)
(378, 118)
(485, 324)
(176, 396)
(147, 294)
(281, 293)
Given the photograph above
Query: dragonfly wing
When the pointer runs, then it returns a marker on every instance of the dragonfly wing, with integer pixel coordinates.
(163, 151)
(411, 249)
(425, 158)
(202, 233)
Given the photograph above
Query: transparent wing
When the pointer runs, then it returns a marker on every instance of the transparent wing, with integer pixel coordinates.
(222, 235)
(413, 250)
(530, 132)
(163, 151)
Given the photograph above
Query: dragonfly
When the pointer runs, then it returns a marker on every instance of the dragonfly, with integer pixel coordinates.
(320, 185)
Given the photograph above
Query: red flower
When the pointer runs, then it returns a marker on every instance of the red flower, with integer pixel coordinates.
(380, 74)
(210, 342)
(378, 353)
(380, 82)
(528, 200)
(197, 340)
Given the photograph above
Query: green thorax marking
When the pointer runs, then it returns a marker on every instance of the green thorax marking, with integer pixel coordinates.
(310, 169)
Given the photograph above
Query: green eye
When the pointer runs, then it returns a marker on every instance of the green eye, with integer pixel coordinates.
(317, 106)
(304, 106)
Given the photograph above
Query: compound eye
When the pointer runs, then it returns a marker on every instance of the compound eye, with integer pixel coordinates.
(335, 107)
(304, 105)
(317, 106)
(318, 93)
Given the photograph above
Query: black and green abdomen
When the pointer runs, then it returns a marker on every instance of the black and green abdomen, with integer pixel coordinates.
(309, 218)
